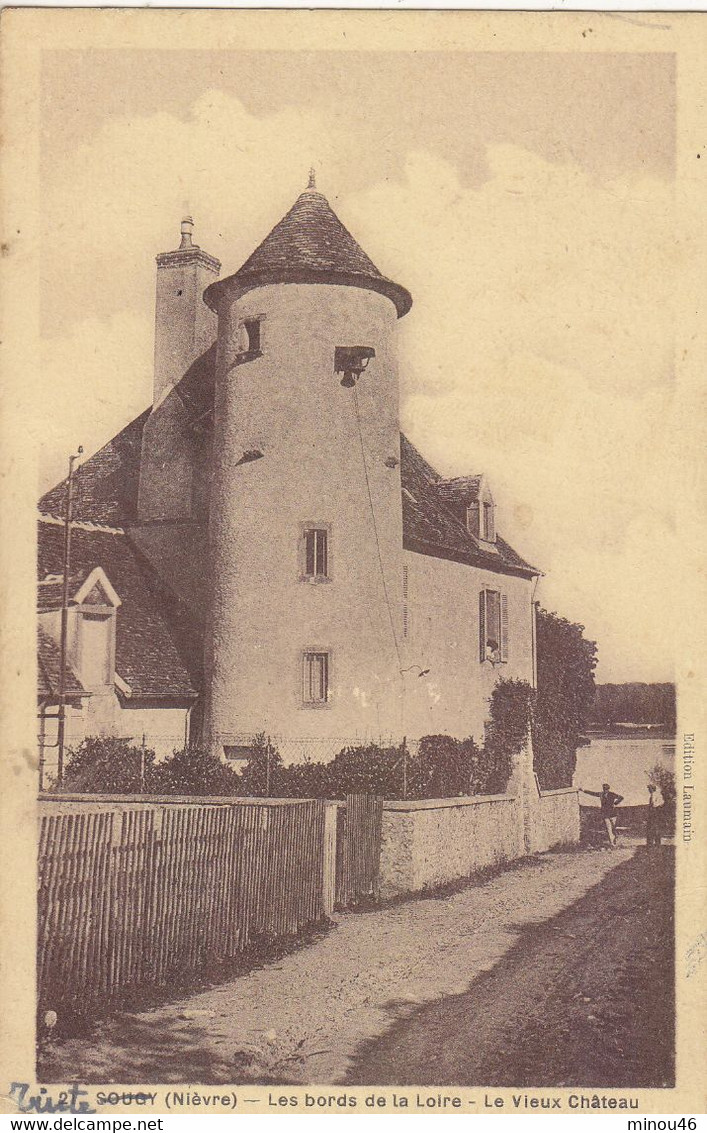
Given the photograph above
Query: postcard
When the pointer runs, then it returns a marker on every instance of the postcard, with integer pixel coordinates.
(353, 562)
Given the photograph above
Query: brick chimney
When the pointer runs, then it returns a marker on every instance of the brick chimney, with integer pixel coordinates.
(184, 325)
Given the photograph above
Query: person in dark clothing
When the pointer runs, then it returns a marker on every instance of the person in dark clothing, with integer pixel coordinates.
(608, 804)
(655, 816)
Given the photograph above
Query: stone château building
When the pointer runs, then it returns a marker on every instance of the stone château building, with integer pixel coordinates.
(261, 550)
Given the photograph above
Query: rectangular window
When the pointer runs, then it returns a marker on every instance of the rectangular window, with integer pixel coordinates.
(252, 334)
(316, 552)
(493, 626)
(316, 678)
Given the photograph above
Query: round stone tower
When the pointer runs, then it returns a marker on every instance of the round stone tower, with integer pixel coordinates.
(305, 625)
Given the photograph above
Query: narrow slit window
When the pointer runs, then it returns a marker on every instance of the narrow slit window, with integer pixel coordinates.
(316, 553)
(316, 678)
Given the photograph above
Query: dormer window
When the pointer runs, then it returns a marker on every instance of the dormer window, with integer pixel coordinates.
(96, 632)
(481, 519)
(96, 604)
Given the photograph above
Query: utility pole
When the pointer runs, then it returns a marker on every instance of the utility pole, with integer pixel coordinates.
(68, 515)
(268, 750)
(405, 767)
(142, 765)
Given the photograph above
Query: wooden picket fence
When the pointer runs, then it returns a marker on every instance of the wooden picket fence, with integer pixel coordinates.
(138, 895)
(358, 849)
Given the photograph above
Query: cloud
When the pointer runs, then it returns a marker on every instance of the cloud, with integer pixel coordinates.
(539, 350)
(95, 378)
(115, 202)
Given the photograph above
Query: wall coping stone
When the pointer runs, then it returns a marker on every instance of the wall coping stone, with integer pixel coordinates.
(560, 791)
(170, 800)
(439, 804)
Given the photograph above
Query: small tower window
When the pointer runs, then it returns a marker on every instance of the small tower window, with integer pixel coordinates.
(251, 328)
(315, 675)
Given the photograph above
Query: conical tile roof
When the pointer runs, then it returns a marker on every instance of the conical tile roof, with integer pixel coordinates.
(310, 245)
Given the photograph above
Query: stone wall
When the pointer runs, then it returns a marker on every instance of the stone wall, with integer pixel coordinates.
(435, 841)
(558, 818)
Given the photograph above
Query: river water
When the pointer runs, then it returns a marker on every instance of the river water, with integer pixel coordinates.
(623, 763)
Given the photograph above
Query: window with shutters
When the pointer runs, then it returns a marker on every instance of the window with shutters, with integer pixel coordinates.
(315, 553)
(488, 530)
(493, 626)
(481, 519)
(315, 678)
(472, 518)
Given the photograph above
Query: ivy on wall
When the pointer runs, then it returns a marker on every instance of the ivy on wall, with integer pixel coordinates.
(566, 660)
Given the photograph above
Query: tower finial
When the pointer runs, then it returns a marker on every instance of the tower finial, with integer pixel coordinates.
(187, 227)
(312, 183)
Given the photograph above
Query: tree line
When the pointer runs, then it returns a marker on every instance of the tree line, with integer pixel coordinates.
(634, 703)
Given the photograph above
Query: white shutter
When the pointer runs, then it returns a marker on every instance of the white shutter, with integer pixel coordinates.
(504, 627)
(482, 625)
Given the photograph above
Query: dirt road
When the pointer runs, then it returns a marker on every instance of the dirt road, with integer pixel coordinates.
(584, 999)
(369, 984)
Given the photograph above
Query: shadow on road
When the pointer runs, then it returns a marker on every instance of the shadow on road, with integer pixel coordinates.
(586, 999)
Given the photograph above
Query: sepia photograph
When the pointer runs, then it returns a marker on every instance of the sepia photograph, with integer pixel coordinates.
(357, 759)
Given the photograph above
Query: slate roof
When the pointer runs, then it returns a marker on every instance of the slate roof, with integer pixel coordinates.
(430, 527)
(430, 524)
(107, 484)
(48, 668)
(460, 489)
(158, 642)
(51, 591)
(310, 245)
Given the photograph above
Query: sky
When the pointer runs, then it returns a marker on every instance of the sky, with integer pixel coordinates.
(526, 201)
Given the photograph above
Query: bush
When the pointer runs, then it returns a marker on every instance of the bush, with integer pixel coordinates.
(367, 769)
(663, 778)
(447, 767)
(108, 765)
(262, 774)
(194, 771)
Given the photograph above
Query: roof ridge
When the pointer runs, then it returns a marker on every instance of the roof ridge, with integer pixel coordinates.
(80, 524)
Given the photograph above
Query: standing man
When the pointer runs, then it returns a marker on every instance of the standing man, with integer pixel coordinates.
(609, 802)
(653, 821)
